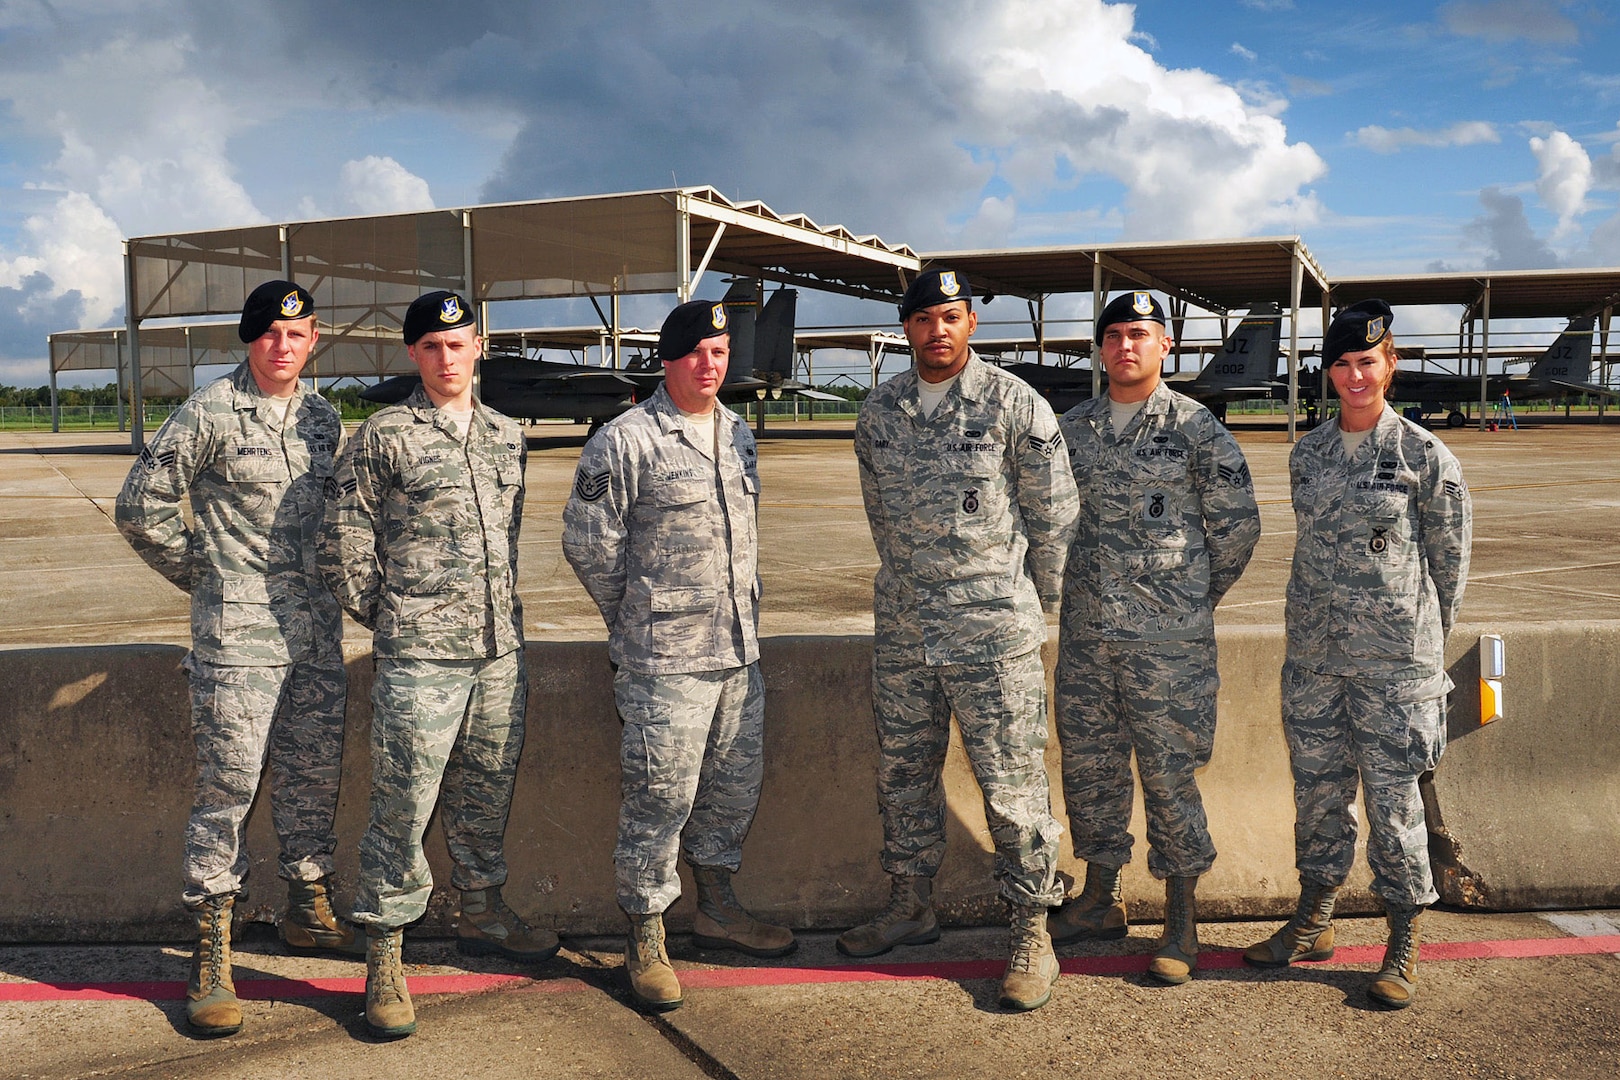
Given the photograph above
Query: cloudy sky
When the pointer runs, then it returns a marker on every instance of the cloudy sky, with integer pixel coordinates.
(1400, 137)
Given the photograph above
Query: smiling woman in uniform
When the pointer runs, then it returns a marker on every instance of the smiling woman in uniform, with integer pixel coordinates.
(1384, 526)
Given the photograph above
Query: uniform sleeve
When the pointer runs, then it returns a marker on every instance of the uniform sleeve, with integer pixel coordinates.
(596, 523)
(346, 551)
(1047, 499)
(148, 511)
(877, 519)
(516, 524)
(1447, 522)
(1226, 503)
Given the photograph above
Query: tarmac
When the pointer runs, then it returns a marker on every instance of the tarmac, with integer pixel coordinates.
(1500, 995)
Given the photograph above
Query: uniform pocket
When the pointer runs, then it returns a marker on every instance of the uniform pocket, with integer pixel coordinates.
(682, 619)
(244, 607)
(1423, 703)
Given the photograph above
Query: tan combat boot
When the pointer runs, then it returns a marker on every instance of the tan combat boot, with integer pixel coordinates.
(389, 1012)
(1096, 914)
(908, 920)
(1033, 969)
(1177, 956)
(652, 977)
(311, 926)
(487, 926)
(211, 1006)
(1396, 982)
(723, 923)
(1306, 936)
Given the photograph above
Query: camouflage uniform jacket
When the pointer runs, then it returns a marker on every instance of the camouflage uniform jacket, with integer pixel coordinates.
(1167, 520)
(248, 559)
(420, 542)
(1381, 552)
(971, 509)
(668, 549)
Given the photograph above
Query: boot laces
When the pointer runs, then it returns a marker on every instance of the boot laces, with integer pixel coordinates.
(1026, 943)
(650, 939)
(209, 976)
(390, 968)
(1401, 947)
(903, 905)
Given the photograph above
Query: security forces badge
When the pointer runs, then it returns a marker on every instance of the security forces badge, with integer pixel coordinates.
(1142, 303)
(717, 317)
(948, 284)
(292, 305)
(450, 309)
(1375, 330)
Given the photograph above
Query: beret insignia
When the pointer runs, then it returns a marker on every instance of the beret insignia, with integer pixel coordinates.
(948, 284)
(1142, 303)
(292, 305)
(717, 317)
(450, 309)
(1375, 329)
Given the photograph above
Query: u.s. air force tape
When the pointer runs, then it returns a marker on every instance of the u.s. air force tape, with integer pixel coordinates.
(591, 486)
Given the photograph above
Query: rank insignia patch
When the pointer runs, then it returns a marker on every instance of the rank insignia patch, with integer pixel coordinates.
(591, 486)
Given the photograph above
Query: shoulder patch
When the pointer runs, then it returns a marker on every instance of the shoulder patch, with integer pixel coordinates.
(1455, 489)
(1234, 476)
(591, 486)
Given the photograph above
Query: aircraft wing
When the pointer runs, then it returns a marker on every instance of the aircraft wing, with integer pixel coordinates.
(1584, 388)
(813, 395)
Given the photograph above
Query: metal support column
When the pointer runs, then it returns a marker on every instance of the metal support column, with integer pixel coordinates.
(1096, 313)
(1485, 357)
(118, 378)
(1296, 282)
(56, 411)
(132, 326)
(683, 250)
(618, 338)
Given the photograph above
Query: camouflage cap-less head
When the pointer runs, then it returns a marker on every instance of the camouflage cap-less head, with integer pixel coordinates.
(439, 310)
(1130, 307)
(689, 324)
(1356, 328)
(932, 288)
(270, 302)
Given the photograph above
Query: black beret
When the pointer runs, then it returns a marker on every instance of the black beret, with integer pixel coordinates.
(1129, 307)
(1356, 328)
(689, 324)
(438, 310)
(272, 301)
(933, 287)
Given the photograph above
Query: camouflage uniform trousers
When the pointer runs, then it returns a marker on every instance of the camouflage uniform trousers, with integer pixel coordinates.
(1158, 700)
(1000, 709)
(1389, 733)
(692, 760)
(241, 715)
(450, 728)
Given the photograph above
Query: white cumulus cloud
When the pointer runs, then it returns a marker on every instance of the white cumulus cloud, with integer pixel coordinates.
(1564, 176)
(1195, 158)
(381, 185)
(1382, 140)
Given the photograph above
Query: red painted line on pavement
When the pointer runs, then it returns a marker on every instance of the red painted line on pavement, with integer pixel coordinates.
(276, 989)
(722, 978)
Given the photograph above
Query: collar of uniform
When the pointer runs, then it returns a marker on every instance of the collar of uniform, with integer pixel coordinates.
(1388, 420)
(669, 414)
(971, 384)
(245, 392)
(428, 413)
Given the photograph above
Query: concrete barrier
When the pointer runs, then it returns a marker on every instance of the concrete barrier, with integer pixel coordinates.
(96, 771)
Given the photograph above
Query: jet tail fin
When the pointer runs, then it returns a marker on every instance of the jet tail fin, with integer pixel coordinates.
(741, 311)
(1249, 356)
(1569, 358)
(773, 336)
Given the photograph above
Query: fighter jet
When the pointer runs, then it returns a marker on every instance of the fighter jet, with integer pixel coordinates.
(528, 389)
(1244, 366)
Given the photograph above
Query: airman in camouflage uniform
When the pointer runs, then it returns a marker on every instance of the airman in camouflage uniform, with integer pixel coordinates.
(420, 545)
(971, 504)
(251, 453)
(1384, 528)
(1167, 524)
(661, 529)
